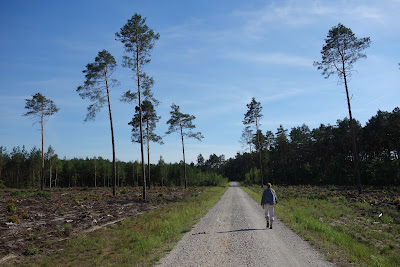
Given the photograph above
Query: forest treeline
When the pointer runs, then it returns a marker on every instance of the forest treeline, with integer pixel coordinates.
(323, 155)
(21, 168)
(300, 156)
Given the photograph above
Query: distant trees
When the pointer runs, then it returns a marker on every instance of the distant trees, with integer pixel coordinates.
(323, 155)
(138, 40)
(161, 170)
(97, 88)
(3, 160)
(40, 108)
(51, 158)
(252, 117)
(299, 155)
(341, 50)
(178, 123)
(81, 172)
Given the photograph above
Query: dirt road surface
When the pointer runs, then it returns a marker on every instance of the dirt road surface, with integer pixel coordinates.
(233, 233)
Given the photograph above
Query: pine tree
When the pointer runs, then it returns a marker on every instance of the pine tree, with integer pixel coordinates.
(252, 117)
(97, 88)
(341, 50)
(40, 108)
(138, 40)
(180, 122)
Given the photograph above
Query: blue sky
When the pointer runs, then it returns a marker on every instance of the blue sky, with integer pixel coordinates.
(211, 59)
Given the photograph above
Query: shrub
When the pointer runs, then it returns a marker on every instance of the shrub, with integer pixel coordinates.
(332, 188)
(16, 193)
(30, 250)
(249, 177)
(373, 201)
(24, 215)
(60, 208)
(42, 194)
(33, 237)
(11, 208)
(2, 185)
(77, 200)
(67, 228)
(124, 191)
(13, 220)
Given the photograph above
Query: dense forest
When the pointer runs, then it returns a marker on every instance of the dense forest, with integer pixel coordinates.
(21, 168)
(302, 156)
(323, 155)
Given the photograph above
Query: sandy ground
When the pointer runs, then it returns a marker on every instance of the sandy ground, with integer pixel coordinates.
(233, 233)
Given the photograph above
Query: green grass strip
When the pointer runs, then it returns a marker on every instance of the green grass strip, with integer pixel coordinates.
(311, 218)
(140, 241)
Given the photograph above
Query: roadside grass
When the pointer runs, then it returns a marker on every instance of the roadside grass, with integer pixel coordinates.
(139, 241)
(346, 228)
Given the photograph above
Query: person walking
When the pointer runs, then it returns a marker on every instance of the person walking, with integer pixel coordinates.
(268, 203)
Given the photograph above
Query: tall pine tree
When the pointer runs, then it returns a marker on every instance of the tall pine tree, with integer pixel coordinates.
(183, 123)
(138, 40)
(252, 117)
(39, 108)
(341, 50)
(97, 88)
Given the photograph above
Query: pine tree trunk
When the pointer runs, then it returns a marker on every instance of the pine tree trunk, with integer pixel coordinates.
(50, 175)
(95, 174)
(252, 167)
(353, 133)
(184, 161)
(148, 152)
(114, 178)
(140, 121)
(42, 172)
(259, 150)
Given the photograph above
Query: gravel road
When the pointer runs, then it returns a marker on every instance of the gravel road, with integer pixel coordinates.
(233, 233)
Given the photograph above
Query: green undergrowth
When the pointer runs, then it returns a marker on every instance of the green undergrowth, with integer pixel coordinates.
(347, 231)
(139, 241)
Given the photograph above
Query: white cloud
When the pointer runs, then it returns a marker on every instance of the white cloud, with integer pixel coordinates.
(300, 13)
(271, 58)
(282, 95)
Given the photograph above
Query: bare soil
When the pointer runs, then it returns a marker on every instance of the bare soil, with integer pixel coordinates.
(32, 221)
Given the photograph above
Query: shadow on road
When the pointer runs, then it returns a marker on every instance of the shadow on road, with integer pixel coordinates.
(240, 230)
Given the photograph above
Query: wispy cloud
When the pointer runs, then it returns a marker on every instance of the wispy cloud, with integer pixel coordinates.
(283, 95)
(271, 58)
(301, 13)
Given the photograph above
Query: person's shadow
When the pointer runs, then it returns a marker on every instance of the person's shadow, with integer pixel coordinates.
(240, 230)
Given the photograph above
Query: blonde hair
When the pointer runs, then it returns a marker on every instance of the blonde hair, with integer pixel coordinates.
(269, 185)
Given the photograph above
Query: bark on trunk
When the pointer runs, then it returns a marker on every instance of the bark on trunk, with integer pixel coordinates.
(95, 174)
(183, 151)
(353, 134)
(148, 152)
(50, 175)
(141, 121)
(114, 175)
(259, 151)
(42, 172)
